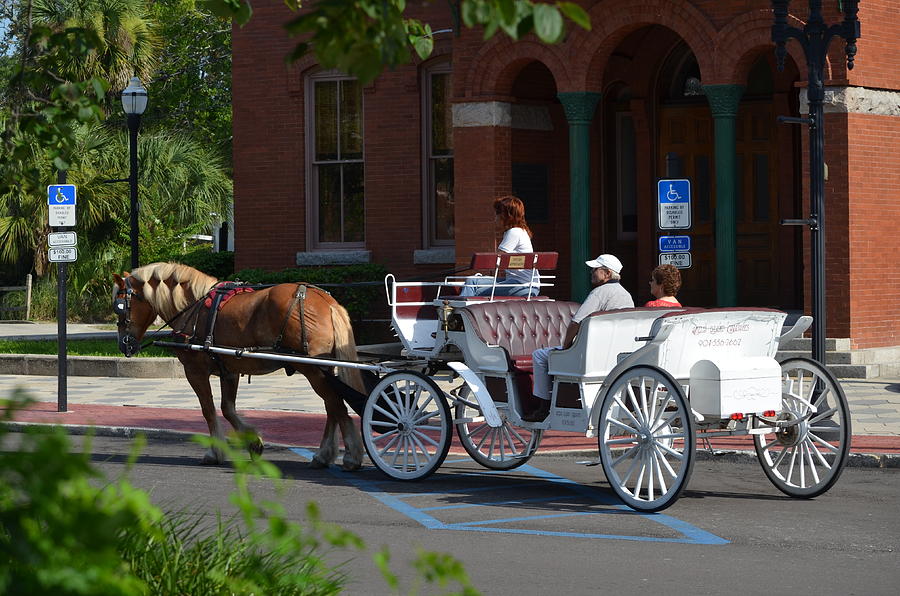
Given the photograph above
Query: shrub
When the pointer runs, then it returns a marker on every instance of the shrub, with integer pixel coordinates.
(359, 288)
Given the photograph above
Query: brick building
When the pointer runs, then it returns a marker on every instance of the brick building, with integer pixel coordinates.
(402, 171)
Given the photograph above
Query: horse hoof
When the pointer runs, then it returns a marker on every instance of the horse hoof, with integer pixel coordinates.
(211, 460)
(351, 466)
(317, 464)
(256, 447)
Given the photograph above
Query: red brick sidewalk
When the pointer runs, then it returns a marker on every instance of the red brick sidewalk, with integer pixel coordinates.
(305, 430)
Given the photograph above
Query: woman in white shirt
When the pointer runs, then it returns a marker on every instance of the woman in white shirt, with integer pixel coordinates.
(509, 214)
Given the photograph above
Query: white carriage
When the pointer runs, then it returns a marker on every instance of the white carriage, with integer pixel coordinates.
(647, 382)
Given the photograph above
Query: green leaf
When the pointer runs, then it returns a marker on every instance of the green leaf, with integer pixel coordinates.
(548, 23)
(576, 14)
(60, 164)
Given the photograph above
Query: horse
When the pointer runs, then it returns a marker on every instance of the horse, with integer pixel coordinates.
(297, 318)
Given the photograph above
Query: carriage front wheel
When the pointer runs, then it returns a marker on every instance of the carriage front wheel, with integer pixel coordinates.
(805, 458)
(502, 448)
(407, 426)
(646, 438)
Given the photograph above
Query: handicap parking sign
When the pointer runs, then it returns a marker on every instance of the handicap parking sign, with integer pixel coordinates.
(674, 197)
(61, 200)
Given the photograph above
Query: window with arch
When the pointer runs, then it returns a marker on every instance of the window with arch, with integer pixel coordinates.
(437, 159)
(334, 156)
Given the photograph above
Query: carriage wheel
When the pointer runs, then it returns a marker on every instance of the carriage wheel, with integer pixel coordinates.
(502, 448)
(646, 438)
(406, 426)
(805, 459)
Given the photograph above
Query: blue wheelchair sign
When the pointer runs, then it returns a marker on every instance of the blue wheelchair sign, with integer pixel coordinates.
(674, 198)
(61, 194)
(674, 244)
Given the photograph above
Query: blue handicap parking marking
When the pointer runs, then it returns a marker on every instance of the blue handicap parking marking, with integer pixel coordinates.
(425, 514)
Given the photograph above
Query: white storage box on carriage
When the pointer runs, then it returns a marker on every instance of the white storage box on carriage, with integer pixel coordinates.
(720, 388)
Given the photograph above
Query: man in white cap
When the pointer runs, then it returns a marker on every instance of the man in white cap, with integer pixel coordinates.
(607, 295)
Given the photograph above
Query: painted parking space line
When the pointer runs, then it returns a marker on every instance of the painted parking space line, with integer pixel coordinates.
(402, 502)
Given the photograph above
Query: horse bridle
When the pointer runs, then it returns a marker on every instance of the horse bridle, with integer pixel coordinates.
(122, 306)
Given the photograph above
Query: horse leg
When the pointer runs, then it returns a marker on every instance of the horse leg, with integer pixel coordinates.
(338, 418)
(327, 448)
(199, 381)
(229, 384)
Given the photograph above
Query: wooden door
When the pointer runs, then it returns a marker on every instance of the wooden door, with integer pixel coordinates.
(686, 139)
(763, 265)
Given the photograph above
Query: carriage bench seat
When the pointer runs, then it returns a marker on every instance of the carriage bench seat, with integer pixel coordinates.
(500, 336)
(498, 263)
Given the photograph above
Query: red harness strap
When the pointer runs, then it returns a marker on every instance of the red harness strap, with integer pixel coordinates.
(222, 292)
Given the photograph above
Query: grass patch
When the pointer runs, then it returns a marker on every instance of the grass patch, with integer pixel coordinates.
(75, 347)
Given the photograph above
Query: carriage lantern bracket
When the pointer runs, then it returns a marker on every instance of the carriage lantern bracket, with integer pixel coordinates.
(814, 38)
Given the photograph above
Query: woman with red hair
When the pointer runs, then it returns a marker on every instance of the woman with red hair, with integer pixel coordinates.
(509, 217)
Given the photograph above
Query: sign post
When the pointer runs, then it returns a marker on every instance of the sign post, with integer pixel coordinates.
(61, 200)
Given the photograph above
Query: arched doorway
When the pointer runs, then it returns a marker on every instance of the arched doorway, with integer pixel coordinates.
(768, 257)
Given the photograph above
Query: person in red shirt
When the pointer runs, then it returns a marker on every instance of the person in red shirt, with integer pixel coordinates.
(665, 281)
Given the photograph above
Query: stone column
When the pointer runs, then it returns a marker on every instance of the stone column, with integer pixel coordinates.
(723, 101)
(579, 107)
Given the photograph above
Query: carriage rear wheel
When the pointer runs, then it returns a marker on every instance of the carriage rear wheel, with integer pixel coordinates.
(646, 438)
(805, 459)
(502, 448)
(407, 426)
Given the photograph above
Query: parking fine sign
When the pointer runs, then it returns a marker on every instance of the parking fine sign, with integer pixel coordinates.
(682, 260)
(62, 254)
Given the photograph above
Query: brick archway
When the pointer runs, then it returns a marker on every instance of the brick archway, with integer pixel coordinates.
(615, 19)
(498, 63)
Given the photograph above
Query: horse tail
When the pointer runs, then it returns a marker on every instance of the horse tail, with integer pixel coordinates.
(345, 347)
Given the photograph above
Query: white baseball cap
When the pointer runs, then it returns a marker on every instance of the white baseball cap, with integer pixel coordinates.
(608, 261)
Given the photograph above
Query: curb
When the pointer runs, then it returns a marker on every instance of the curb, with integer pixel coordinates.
(91, 366)
(854, 460)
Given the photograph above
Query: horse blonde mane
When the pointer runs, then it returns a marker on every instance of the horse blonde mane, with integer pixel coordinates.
(171, 287)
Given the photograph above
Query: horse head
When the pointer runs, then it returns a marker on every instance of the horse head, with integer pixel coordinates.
(135, 314)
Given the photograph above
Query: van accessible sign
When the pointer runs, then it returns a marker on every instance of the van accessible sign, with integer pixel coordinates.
(674, 197)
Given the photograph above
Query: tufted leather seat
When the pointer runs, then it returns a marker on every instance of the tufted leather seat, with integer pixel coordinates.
(520, 327)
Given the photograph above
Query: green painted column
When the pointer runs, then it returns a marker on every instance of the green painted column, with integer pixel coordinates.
(579, 107)
(723, 101)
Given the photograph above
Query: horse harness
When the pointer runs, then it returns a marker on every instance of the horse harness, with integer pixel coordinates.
(213, 301)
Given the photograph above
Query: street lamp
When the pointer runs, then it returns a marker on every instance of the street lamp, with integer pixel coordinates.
(814, 38)
(134, 102)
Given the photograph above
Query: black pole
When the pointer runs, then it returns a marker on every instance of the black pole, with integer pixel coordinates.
(134, 123)
(814, 39)
(62, 272)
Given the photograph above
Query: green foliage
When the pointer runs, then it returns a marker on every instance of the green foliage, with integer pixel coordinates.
(76, 347)
(218, 264)
(58, 529)
(363, 37)
(359, 299)
(65, 530)
(191, 89)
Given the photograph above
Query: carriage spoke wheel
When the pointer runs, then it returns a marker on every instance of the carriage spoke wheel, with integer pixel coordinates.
(502, 448)
(646, 438)
(805, 458)
(406, 426)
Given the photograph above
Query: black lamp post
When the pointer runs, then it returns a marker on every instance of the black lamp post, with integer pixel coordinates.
(134, 101)
(814, 38)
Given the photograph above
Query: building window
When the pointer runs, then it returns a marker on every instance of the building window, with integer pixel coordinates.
(335, 161)
(438, 156)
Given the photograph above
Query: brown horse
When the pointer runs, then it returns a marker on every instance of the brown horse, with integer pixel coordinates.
(279, 317)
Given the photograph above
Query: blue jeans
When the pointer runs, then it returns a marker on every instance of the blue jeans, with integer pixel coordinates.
(481, 285)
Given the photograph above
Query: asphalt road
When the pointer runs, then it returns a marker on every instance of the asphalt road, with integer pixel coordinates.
(554, 526)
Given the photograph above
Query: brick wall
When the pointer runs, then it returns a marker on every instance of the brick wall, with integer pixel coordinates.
(727, 35)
